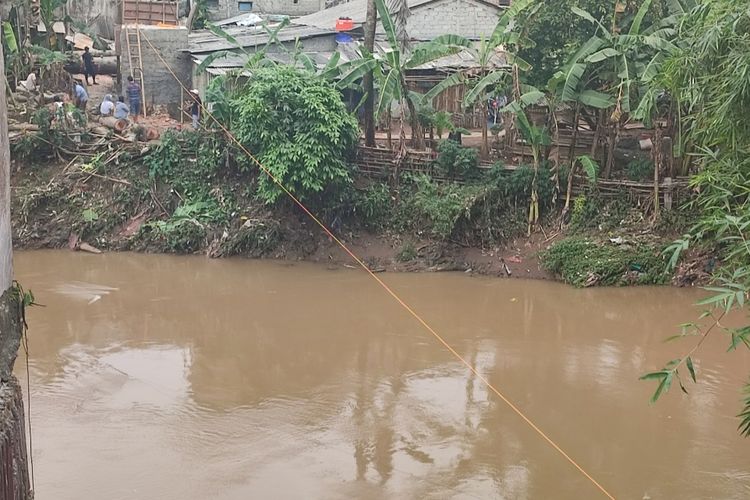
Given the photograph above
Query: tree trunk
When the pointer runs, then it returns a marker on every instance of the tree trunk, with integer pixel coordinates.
(574, 138)
(417, 138)
(597, 135)
(191, 15)
(6, 245)
(612, 137)
(485, 148)
(367, 81)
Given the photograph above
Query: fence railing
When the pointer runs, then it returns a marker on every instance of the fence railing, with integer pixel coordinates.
(380, 163)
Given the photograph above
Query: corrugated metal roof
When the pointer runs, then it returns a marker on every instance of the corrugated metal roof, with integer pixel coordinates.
(463, 60)
(252, 36)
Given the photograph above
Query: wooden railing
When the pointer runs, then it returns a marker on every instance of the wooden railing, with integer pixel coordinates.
(380, 163)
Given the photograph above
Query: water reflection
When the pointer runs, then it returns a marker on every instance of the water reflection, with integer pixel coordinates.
(259, 379)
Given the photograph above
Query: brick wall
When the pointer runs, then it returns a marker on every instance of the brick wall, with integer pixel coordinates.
(459, 17)
(161, 86)
(224, 9)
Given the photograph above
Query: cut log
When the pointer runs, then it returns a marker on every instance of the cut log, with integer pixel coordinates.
(113, 123)
(151, 134)
(21, 127)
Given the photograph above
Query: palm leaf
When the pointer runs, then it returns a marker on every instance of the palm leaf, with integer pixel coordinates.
(387, 21)
(505, 23)
(572, 80)
(331, 69)
(603, 54)
(10, 37)
(479, 89)
(635, 26)
(353, 71)
(389, 91)
(451, 81)
(590, 167)
(210, 58)
(596, 99)
(216, 30)
(588, 17)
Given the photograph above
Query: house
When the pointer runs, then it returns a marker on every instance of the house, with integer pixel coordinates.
(250, 39)
(222, 9)
(429, 19)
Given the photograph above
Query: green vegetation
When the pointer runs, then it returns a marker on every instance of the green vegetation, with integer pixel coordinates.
(298, 128)
(583, 262)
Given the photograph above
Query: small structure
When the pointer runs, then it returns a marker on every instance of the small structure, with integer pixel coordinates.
(151, 45)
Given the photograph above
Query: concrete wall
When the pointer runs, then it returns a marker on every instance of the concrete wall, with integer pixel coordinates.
(161, 86)
(460, 17)
(224, 9)
(100, 15)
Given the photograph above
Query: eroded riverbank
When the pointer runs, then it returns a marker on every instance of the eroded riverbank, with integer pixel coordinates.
(183, 377)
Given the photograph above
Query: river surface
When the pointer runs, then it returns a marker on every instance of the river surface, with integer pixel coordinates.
(158, 377)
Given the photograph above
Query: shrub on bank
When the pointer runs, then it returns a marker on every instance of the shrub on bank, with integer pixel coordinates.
(582, 262)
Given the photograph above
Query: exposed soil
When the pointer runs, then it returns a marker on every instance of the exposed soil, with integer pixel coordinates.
(50, 204)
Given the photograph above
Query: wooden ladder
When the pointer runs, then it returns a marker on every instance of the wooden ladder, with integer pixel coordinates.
(135, 59)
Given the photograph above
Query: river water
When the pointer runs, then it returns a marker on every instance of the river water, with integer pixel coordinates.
(158, 377)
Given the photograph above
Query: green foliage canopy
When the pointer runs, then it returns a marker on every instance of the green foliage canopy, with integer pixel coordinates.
(298, 127)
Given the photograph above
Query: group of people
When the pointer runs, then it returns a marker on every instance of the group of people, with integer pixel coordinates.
(109, 107)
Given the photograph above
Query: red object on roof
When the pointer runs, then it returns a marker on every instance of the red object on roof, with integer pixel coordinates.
(344, 24)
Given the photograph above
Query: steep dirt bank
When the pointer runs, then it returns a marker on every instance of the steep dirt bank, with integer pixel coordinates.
(121, 208)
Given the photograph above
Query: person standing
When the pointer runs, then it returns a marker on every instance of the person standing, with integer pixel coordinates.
(80, 96)
(134, 98)
(195, 108)
(88, 66)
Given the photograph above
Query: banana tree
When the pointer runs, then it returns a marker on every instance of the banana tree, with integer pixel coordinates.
(570, 85)
(392, 66)
(536, 137)
(488, 74)
(620, 61)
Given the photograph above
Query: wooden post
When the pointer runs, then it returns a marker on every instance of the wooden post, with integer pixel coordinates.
(656, 151)
(668, 193)
(668, 156)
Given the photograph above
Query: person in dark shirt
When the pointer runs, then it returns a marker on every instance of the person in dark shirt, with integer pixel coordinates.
(134, 98)
(88, 66)
(195, 108)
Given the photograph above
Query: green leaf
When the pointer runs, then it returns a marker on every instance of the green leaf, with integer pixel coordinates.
(635, 26)
(386, 21)
(590, 166)
(10, 37)
(216, 30)
(654, 375)
(353, 71)
(89, 215)
(603, 54)
(478, 90)
(452, 81)
(596, 99)
(690, 368)
(210, 58)
(588, 17)
(663, 387)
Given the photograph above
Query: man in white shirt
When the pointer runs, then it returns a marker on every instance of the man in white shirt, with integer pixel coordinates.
(107, 107)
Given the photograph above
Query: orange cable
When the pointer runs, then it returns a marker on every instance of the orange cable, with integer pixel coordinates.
(387, 288)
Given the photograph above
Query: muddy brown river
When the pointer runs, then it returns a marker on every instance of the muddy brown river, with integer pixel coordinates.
(157, 377)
